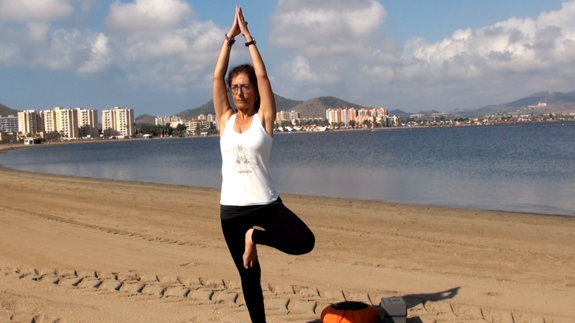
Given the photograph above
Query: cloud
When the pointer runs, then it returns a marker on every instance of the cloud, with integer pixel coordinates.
(99, 55)
(174, 61)
(160, 45)
(148, 16)
(523, 51)
(315, 47)
(493, 63)
(154, 43)
(326, 39)
(25, 11)
(317, 28)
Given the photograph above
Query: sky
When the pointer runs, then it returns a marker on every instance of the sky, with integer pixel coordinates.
(157, 56)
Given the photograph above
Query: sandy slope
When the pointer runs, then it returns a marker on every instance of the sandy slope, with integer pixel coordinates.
(85, 250)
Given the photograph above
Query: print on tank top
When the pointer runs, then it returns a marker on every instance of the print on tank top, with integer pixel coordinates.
(242, 161)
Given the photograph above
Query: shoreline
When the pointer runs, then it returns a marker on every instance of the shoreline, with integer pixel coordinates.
(288, 195)
(5, 148)
(309, 196)
(118, 251)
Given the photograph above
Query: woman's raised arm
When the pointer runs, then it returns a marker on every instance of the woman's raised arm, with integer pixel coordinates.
(219, 92)
(267, 110)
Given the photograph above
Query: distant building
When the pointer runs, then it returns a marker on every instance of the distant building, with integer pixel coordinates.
(193, 124)
(161, 121)
(349, 114)
(71, 123)
(9, 123)
(87, 122)
(30, 122)
(538, 105)
(288, 116)
(118, 122)
(63, 121)
(334, 115)
(211, 118)
(381, 112)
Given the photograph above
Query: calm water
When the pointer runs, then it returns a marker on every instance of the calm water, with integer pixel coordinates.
(526, 168)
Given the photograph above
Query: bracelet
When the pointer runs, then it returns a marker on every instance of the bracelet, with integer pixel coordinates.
(251, 42)
(229, 40)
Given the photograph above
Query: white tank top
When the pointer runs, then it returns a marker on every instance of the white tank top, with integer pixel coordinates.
(245, 159)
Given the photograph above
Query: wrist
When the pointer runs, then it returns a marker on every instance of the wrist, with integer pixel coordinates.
(250, 41)
(230, 40)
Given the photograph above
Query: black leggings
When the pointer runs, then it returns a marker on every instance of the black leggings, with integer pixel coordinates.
(284, 231)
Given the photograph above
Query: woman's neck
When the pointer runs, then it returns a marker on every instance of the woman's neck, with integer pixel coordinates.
(243, 114)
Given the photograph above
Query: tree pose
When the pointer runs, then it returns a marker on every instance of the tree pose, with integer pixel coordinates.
(248, 197)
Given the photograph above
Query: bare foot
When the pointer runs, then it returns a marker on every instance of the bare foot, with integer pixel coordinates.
(251, 252)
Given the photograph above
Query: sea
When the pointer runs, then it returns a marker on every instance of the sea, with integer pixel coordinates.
(527, 167)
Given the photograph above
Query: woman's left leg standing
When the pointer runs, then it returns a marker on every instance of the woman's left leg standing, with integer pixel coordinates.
(283, 230)
(234, 233)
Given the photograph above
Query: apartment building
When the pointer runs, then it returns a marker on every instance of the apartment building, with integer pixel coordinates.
(118, 122)
(209, 117)
(30, 122)
(380, 112)
(161, 121)
(63, 121)
(87, 122)
(334, 116)
(9, 123)
(349, 114)
(193, 124)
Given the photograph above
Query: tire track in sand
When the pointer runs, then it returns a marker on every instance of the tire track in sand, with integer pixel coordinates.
(290, 303)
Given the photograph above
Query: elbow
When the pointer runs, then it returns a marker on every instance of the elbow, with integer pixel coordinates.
(262, 76)
(218, 76)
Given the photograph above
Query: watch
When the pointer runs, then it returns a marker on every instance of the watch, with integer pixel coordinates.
(251, 42)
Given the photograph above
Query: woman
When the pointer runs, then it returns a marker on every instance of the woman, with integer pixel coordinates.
(248, 196)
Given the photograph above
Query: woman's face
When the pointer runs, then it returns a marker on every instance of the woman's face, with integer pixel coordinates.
(243, 92)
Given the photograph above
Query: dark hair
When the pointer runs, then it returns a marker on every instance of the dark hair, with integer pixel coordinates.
(251, 73)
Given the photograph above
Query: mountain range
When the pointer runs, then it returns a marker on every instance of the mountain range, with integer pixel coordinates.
(282, 104)
(316, 107)
(556, 102)
(540, 102)
(6, 111)
(313, 108)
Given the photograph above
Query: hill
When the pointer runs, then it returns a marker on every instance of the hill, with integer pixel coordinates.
(145, 119)
(399, 113)
(6, 111)
(282, 104)
(316, 107)
(556, 102)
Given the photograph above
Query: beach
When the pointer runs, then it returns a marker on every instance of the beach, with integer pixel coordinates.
(88, 250)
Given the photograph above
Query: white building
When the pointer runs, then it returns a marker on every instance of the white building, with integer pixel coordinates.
(161, 121)
(30, 122)
(287, 116)
(118, 122)
(63, 121)
(87, 122)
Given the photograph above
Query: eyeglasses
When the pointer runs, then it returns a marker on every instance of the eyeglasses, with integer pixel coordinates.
(242, 87)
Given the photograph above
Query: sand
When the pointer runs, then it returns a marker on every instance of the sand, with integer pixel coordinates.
(87, 250)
